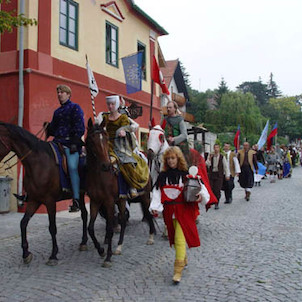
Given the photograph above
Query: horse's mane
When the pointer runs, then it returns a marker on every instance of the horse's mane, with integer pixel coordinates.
(20, 134)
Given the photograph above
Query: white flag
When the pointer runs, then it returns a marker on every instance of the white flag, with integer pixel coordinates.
(263, 137)
(94, 90)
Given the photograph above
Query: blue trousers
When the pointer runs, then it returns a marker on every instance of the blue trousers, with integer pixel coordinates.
(73, 163)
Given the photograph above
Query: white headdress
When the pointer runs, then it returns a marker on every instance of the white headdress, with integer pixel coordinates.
(113, 99)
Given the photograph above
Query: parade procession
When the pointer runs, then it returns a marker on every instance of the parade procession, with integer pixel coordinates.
(126, 175)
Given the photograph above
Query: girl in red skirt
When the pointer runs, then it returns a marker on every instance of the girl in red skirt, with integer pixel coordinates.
(179, 215)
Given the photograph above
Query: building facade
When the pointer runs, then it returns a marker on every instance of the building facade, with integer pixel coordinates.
(55, 53)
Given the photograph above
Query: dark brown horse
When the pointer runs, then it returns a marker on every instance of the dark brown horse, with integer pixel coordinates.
(102, 188)
(41, 182)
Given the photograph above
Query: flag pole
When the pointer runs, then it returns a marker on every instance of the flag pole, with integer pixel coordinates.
(91, 96)
(93, 106)
(151, 102)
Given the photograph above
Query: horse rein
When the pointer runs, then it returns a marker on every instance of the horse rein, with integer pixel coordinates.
(42, 131)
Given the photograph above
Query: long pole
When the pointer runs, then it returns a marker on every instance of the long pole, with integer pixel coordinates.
(93, 106)
(151, 102)
(21, 88)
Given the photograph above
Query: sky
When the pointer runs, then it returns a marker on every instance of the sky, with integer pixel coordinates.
(239, 40)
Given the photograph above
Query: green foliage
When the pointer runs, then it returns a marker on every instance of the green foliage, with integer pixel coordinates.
(9, 20)
(287, 112)
(272, 88)
(257, 89)
(222, 89)
(198, 105)
(236, 109)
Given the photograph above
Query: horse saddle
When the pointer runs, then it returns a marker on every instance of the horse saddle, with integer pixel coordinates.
(60, 156)
(61, 161)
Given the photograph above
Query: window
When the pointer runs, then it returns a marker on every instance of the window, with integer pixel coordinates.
(141, 47)
(111, 44)
(69, 23)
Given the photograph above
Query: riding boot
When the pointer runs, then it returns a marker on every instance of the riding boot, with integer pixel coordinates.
(75, 207)
(178, 268)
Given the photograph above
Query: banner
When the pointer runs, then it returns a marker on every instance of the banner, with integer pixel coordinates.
(271, 136)
(237, 139)
(263, 137)
(158, 78)
(133, 72)
(94, 90)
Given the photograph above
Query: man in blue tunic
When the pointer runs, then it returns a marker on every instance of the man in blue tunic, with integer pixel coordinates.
(67, 127)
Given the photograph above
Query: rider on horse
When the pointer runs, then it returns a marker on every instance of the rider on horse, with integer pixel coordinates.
(134, 173)
(176, 130)
(67, 127)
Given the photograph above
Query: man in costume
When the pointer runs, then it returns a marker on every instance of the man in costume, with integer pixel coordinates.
(248, 164)
(176, 130)
(233, 165)
(218, 169)
(67, 127)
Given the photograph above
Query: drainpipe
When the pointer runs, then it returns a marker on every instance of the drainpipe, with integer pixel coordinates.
(21, 87)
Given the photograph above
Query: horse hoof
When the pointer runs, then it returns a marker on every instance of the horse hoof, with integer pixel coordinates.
(28, 259)
(52, 262)
(117, 252)
(106, 264)
(150, 242)
(83, 247)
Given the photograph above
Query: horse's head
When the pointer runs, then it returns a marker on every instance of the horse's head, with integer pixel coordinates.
(97, 140)
(5, 146)
(156, 141)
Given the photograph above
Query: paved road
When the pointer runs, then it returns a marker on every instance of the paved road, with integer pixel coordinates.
(251, 251)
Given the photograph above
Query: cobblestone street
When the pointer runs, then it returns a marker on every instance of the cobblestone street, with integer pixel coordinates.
(250, 251)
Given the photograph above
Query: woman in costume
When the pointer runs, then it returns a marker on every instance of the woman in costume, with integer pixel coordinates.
(134, 173)
(179, 215)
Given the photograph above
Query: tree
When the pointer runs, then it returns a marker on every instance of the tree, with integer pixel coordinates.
(9, 19)
(222, 89)
(272, 88)
(288, 114)
(198, 105)
(185, 75)
(236, 109)
(257, 89)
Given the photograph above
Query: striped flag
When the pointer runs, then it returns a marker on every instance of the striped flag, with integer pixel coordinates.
(271, 136)
(237, 139)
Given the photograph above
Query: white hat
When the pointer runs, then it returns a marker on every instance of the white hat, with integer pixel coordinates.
(113, 99)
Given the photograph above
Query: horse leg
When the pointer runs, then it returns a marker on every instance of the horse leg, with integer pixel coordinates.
(109, 232)
(51, 210)
(84, 215)
(32, 207)
(145, 203)
(122, 218)
(94, 209)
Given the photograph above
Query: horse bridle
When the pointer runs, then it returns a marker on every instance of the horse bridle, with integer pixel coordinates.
(105, 166)
(159, 153)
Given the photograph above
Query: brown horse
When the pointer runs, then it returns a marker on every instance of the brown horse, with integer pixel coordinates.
(41, 182)
(102, 188)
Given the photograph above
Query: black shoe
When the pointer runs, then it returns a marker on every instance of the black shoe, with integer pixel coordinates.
(216, 206)
(228, 201)
(75, 207)
(21, 199)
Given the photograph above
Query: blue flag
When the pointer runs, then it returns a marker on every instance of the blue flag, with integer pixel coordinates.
(263, 137)
(133, 72)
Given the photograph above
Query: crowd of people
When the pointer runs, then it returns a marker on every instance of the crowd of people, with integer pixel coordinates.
(168, 195)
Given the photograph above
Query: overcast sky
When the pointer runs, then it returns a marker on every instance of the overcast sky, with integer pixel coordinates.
(240, 40)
